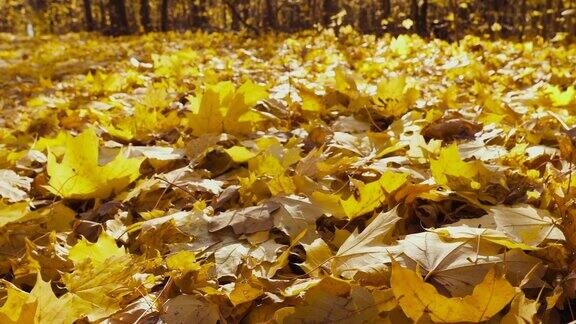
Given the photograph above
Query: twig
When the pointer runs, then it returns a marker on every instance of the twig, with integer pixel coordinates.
(237, 15)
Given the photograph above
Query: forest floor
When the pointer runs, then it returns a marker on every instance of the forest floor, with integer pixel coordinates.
(289, 178)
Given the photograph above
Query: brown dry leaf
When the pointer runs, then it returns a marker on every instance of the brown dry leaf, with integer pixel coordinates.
(522, 223)
(333, 301)
(365, 251)
(14, 187)
(451, 129)
(229, 257)
(190, 309)
(296, 214)
(458, 266)
(526, 224)
(245, 221)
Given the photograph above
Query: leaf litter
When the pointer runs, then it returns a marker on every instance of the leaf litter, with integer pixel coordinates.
(297, 179)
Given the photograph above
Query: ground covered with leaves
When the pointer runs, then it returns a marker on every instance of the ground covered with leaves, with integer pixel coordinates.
(299, 179)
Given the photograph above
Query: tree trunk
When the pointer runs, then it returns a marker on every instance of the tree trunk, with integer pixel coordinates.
(419, 16)
(422, 23)
(386, 9)
(330, 8)
(456, 21)
(546, 31)
(118, 17)
(414, 12)
(145, 15)
(523, 17)
(38, 5)
(198, 16)
(559, 9)
(164, 23)
(103, 16)
(364, 20)
(271, 14)
(88, 15)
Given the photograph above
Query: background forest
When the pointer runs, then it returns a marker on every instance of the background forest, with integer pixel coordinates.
(447, 19)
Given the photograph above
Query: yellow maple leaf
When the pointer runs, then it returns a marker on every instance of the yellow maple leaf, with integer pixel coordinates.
(79, 176)
(401, 45)
(317, 255)
(147, 120)
(222, 108)
(449, 163)
(97, 252)
(560, 98)
(370, 196)
(103, 275)
(522, 310)
(244, 292)
(310, 101)
(52, 309)
(183, 261)
(41, 305)
(395, 96)
(19, 307)
(240, 154)
(417, 298)
(13, 212)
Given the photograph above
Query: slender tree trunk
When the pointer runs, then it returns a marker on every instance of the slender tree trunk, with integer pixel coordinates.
(559, 8)
(330, 8)
(364, 20)
(38, 5)
(103, 16)
(573, 4)
(118, 17)
(456, 22)
(88, 15)
(386, 9)
(422, 24)
(546, 31)
(164, 23)
(145, 15)
(271, 14)
(198, 16)
(419, 15)
(523, 19)
(414, 12)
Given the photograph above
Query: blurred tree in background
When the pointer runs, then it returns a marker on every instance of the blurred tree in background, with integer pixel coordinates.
(447, 19)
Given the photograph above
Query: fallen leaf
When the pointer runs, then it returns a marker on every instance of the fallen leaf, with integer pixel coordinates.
(79, 176)
(190, 309)
(244, 221)
(14, 187)
(318, 254)
(526, 224)
(417, 298)
(450, 164)
(451, 129)
(461, 264)
(365, 251)
(371, 196)
(522, 310)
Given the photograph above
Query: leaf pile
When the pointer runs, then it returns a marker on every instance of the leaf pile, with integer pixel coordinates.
(293, 179)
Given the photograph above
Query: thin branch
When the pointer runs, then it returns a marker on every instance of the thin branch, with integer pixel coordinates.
(237, 15)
